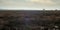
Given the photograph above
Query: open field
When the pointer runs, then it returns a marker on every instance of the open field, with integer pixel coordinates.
(29, 20)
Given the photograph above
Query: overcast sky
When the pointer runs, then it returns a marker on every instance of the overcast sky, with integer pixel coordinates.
(29, 4)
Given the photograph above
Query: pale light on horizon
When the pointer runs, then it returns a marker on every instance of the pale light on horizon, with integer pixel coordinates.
(30, 4)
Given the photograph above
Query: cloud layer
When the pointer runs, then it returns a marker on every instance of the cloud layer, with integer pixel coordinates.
(27, 3)
(48, 2)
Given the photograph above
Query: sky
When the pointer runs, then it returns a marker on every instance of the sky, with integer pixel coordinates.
(30, 4)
